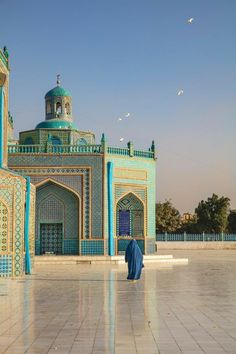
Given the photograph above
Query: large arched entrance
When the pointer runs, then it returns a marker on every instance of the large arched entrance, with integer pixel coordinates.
(130, 216)
(57, 220)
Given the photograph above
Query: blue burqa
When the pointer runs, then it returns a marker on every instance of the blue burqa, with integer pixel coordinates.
(134, 257)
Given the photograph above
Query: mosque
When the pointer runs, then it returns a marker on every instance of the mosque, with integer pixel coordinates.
(87, 198)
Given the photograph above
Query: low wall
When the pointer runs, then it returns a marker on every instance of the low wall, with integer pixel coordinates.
(179, 245)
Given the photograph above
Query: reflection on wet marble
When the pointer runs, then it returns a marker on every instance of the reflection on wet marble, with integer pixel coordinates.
(93, 309)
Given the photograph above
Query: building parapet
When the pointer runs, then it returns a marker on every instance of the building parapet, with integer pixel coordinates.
(77, 149)
(117, 151)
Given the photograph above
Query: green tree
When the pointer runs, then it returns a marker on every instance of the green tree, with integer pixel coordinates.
(167, 217)
(212, 214)
(232, 221)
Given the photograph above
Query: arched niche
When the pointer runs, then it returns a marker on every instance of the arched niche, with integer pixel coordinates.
(49, 107)
(130, 216)
(58, 219)
(58, 107)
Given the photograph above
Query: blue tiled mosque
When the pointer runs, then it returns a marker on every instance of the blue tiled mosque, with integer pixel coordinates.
(91, 198)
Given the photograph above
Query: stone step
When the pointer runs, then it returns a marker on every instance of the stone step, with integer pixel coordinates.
(52, 259)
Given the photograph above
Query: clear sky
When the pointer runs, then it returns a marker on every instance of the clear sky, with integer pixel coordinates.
(119, 56)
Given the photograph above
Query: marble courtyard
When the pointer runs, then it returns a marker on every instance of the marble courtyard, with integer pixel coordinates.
(172, 309)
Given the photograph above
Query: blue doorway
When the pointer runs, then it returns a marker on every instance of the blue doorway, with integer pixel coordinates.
(124, 222)
(51, 238)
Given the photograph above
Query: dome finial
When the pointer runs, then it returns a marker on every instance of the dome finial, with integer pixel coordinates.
(58, 80)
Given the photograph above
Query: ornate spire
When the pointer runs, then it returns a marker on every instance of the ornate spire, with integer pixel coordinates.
(5, 52)
(58, 80)
(103, 138)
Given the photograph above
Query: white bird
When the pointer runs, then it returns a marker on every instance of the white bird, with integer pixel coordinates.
(119, 119)
(127, 115)
(190, 20)
(121, 139)
(180, 92)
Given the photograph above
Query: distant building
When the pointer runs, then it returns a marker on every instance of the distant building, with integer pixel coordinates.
(187, 217)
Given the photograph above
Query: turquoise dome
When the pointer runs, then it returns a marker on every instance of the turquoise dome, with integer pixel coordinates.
(55, 124)
(57, 91)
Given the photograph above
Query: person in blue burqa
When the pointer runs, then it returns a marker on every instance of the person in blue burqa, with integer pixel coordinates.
(134, 258)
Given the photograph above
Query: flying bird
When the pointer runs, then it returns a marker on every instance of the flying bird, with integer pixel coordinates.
(121, 139)
(119, 119)
(190, 20)
(127, 115)
(180, 92)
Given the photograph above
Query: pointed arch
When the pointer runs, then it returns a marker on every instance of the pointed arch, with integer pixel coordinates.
(48, 107)
(132, 194)
(130, 216)
(58, 107)
(59, 218)
(60, 184)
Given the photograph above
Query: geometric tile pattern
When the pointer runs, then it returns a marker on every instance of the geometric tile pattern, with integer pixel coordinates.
(92, 247)
(121, 190)
(75, 182)
(71, 247)
(19, 229)
(12, 197)
(83, 173)
(51, 208)
(6, 265)
(123, 243)
(66, 136)
(4, 227)
(32, 223)
(72, 181)
(51, 238)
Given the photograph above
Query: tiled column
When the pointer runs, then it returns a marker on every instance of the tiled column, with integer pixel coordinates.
(110, 209)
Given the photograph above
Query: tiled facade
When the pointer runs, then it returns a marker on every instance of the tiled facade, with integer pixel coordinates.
(13, 222)
(70, 176)
(12, 199)
(135, 176)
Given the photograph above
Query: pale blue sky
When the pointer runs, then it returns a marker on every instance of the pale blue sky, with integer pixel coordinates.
(133, 56)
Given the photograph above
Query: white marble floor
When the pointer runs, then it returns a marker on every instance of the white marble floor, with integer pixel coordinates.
(83, 309)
